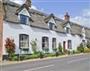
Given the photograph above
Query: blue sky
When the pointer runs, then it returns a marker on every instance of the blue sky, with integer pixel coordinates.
(79, 10)
(74, 7)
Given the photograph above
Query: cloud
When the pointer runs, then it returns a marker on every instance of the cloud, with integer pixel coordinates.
(84, 19)
(23, 1)
(81, 20)
(18, 1)
(34, 7)
(86, 12)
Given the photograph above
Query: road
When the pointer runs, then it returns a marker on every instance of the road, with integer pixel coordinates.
(71, 63)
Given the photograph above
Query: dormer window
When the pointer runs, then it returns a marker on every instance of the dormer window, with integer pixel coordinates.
(67, 30)
(67, 27)
(51, 21)
(23, 19)
(51, 26)
(83, 32)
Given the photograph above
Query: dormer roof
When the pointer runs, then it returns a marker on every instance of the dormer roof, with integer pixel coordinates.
(49, 17)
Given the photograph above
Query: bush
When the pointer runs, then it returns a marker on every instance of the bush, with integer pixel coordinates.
(57, 53)
(86, 50)
(65, 51)
(50, 55)
(34, 46)
(75, 52)
(54, 49)
(22, 57)
(41, 54)
(10, 48)
(60, 48)
(26, 57)
(46, 50)
(33, 56)
(80, 48)
(88, 44)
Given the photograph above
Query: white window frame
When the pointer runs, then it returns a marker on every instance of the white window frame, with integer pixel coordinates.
(45, 43)
(54, 43)
(23, 41)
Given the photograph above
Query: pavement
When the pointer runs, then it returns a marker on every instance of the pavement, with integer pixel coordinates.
(79, 62)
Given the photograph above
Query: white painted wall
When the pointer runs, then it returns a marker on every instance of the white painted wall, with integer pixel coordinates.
(13, 30)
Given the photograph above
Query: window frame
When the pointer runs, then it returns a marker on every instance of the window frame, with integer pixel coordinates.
(22, 41)
(69, 44)
(54, 43)
(45, 43)
(68, 30)
(23, 19)
(51, 25)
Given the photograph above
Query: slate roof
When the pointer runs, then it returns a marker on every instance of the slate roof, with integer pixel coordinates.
(40, 19)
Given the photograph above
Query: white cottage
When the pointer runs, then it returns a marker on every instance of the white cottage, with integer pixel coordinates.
(25, 25)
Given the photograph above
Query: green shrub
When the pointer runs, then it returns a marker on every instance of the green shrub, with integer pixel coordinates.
(33, 56)
(86, 50)
(41, 54)
(54, 49)
(22, 57)
(65, 51)
(34, 46)
(80, 48)
(88, 44)
(46, 50)
(15, 58)
(57, 53)
(50, 55)
(73, 51)
(60, 48)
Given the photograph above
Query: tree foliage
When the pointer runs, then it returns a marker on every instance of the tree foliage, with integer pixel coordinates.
(80, 48)
(10, 47)
(60, 48)
(88, 44)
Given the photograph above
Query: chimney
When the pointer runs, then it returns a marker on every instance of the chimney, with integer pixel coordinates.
(28, 3)
(66, 17)
(1, 28)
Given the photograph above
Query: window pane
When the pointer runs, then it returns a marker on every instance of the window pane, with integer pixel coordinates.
(24, 41)
(53, 43)
(69, 44)
(68, 30)
(51, 26)
(23, 19)
(45, 43)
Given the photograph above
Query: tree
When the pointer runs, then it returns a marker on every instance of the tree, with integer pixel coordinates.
(88, 44)
(10, 47)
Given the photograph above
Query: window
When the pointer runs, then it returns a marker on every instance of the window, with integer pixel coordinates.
(69, 44)
(53, 43)
(24, 41)
(83, 42)
(51, 25)
(45, 43)
(67, 30)
(64, 46)
(23, 19)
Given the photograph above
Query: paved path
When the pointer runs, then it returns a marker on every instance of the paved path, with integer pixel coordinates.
(71, 63)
